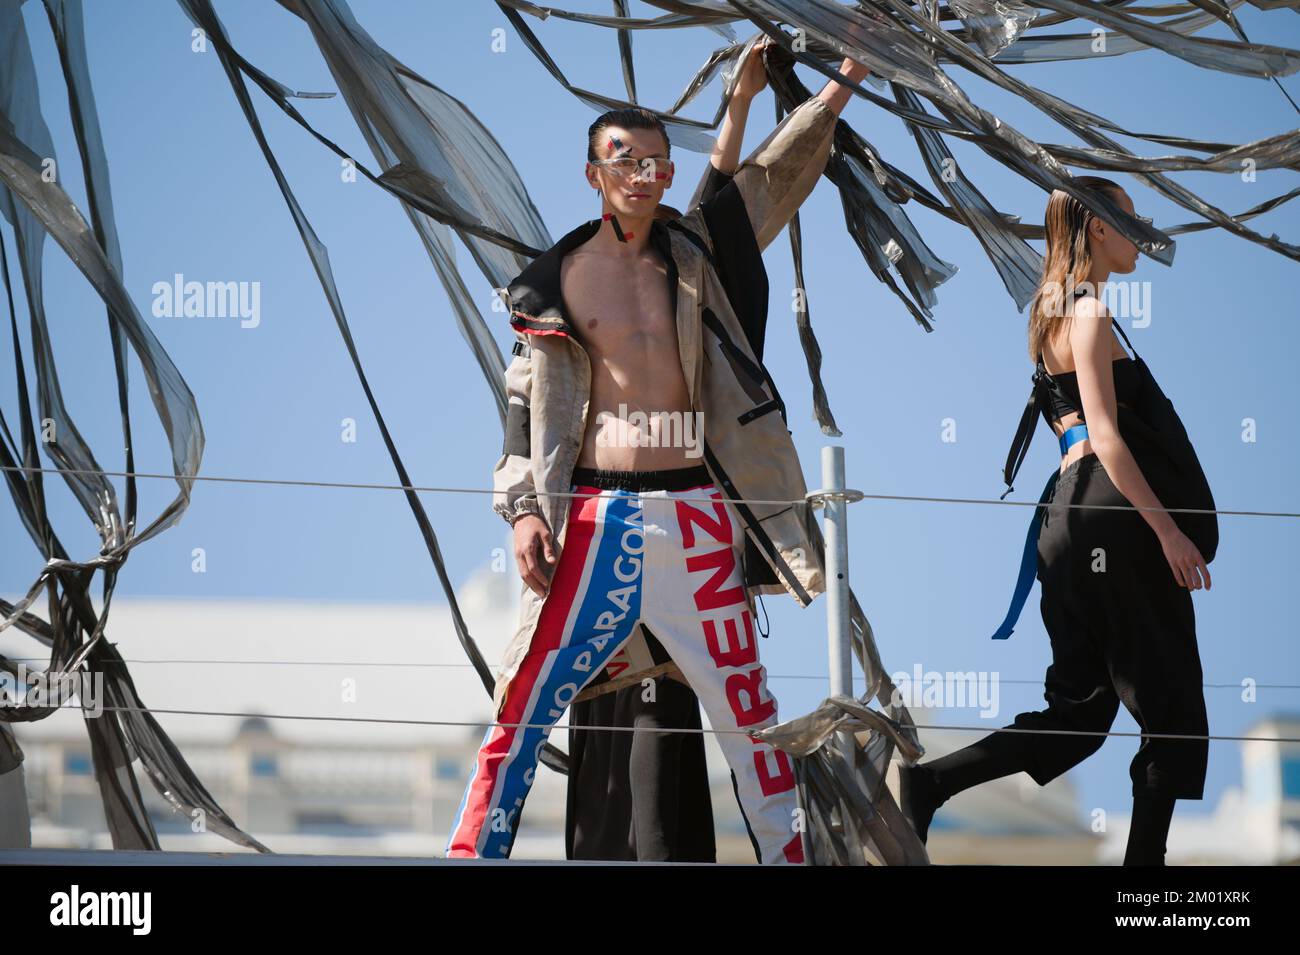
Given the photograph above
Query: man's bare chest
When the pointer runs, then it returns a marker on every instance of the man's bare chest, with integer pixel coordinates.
(615, 304)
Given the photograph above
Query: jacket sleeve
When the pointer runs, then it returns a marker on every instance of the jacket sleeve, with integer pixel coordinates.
(711, 184)
(512, 479)
(778, 176)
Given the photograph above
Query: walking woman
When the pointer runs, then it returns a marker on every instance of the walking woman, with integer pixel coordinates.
(1116, 569)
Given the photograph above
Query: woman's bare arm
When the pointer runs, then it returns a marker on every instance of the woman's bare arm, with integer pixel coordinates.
(1090, 342)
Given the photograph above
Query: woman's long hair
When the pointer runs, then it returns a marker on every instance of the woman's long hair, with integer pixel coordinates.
(1067, 262)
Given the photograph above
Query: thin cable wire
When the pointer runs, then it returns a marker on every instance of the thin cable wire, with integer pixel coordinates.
(656, 729)
(467, 666)
(700, 500)
(452, 490)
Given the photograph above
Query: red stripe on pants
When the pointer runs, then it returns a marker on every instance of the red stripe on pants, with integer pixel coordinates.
(564, 592)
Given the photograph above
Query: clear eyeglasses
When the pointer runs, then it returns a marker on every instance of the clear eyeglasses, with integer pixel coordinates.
(625, 166)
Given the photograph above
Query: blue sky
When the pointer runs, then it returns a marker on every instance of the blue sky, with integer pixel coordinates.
(194, 195)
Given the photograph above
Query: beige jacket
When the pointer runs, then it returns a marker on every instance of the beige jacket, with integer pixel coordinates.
(746, 445)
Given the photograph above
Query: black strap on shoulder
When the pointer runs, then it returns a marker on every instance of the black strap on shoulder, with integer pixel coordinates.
(1120, 328)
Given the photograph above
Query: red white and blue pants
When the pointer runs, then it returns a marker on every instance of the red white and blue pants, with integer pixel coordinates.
(671, 560)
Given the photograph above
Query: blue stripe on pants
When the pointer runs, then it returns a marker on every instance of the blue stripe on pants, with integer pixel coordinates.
(610, 606)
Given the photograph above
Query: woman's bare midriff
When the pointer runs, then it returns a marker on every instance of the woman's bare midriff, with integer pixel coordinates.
(1061, 425)
(1080, 448)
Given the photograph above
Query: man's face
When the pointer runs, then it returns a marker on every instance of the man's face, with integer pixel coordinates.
(641, 189)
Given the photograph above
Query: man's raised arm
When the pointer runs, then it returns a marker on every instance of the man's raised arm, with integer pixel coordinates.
(778, 176)
(726, 149)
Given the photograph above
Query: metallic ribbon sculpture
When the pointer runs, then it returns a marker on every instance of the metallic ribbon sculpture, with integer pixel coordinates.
(451, 176)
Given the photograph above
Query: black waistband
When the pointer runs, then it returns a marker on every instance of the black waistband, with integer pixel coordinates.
(674, 479)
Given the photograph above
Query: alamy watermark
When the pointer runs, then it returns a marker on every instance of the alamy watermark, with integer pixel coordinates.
(1123, 299)
(651, 429)
(182, 299)
(37, 689)
(132, 909)
(947, 689)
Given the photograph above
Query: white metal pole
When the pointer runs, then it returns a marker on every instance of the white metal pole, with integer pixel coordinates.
(836, 532)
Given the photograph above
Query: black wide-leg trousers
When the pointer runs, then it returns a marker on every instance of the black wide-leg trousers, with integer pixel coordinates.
(1122, 631)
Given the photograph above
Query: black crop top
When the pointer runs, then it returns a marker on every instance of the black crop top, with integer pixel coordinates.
(1065, 399)
(1054, 396)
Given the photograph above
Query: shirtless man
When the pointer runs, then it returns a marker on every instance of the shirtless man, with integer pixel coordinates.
(636, 794)
(633, 332)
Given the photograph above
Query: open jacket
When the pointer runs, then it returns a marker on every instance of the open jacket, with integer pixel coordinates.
(717, 279)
